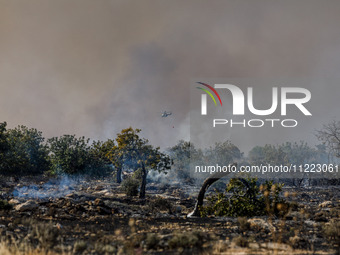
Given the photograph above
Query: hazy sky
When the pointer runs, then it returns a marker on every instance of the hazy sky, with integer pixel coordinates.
(93, 67)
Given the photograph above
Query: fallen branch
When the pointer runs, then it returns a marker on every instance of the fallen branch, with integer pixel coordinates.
(207, 183)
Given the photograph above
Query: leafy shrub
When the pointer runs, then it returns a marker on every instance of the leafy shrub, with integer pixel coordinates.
(160, 204)
(247, 199)
(130, 186)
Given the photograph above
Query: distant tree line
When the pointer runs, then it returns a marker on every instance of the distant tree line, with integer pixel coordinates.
(24, 151)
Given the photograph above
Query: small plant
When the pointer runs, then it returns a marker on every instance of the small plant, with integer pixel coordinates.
(240, 241)
(186, 240)
(130, 186)
(152, 240)
(244, 224)
(332, 231)
(79, 246)
(247, 199)
(160, 204)
(4, 205)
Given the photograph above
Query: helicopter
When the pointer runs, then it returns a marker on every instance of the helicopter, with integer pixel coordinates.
(166, 114)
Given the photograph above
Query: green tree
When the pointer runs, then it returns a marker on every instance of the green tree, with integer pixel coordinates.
(72, 155)
(297, 153)
(135, 153)
(4, 145)
(69, 154)
(183, 155)
(116, 156)
(223, 153)
(27, 153)
(99, 157)
(257, 155)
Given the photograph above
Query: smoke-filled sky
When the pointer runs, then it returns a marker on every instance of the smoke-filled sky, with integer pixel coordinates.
(92, 68)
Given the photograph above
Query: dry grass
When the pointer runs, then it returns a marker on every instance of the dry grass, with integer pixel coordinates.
(14, 250)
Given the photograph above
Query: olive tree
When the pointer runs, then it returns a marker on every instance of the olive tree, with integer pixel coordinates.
(136, 153)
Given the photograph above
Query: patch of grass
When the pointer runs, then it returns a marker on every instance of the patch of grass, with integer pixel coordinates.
(45, 234)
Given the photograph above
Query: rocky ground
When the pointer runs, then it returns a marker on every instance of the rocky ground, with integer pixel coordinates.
(95, 217)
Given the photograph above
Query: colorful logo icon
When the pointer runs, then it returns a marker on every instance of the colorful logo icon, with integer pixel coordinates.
(209, 93)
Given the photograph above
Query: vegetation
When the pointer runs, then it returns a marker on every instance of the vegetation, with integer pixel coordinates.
(23, 151)
(136, 153)
(72, 155)
(330, 136)
(246, 199)
(186, 240)
(130, 186)
(332, 231)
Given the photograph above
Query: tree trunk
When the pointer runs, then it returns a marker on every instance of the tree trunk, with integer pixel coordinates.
(119, 175)
(207, 183)
(143, 184)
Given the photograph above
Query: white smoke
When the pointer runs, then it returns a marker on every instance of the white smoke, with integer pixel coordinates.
(55, 188)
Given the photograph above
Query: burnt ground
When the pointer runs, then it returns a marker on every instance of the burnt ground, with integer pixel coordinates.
(96, 217)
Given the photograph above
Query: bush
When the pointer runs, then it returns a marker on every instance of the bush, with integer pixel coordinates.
(247, 199)
(25, 152)
(186, 240)
(160, 204)
(244, 224)
(240, 241)
(72, 155)
(79, 246)
(332, 231)
(130, 186)
(152, 240)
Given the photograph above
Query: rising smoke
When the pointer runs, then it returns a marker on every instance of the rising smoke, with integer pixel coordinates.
(95, 67)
